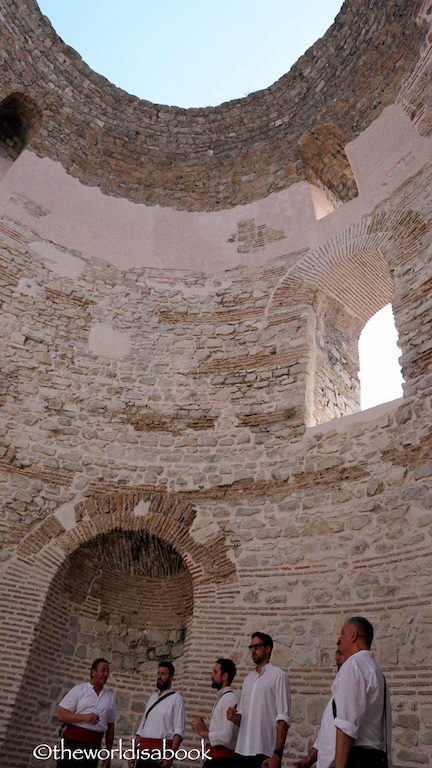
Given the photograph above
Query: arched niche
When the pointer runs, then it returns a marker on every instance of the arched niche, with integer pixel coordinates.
(20, 121)
(125, 595)
(143, 591)
(327, 168)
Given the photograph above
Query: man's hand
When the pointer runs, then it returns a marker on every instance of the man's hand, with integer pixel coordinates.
(307, 761)
(106, 763)
(92, 718)
(66, 716)
(233, 715)
(273, 762)
(200, 727)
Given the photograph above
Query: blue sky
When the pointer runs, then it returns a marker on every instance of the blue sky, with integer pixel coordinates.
(195, 54)
(188, 53)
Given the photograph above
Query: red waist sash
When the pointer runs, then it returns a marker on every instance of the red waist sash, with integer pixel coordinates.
(219, 751)
(85, 735)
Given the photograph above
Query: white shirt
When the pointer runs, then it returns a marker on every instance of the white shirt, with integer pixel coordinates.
(84, 699)
(165, 719)
(358, 691)
(222, 732)
(325, 741)
(265, 699)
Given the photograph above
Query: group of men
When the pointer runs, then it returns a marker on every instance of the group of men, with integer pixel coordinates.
(355, 727)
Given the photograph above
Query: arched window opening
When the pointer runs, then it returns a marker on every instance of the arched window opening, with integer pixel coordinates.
(327, 169)
(380, 373)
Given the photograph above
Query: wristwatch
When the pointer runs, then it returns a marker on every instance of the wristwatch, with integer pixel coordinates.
(278, 752)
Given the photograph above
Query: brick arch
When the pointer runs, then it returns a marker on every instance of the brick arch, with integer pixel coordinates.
(167, 516)
(354, 267)
(336, 288)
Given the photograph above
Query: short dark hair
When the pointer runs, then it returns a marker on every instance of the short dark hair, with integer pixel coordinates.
(168, 665)
(363, 627)
(96, 664)
(266, 639)
(229, 667)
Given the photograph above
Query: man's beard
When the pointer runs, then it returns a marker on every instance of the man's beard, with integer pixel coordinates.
(218, 686)
(163, 686)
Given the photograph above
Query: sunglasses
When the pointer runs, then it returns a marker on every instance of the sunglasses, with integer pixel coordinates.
(255, 646)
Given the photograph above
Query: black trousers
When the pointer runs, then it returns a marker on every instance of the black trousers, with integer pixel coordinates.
(248, 761)
(365, 757)
(70, 744)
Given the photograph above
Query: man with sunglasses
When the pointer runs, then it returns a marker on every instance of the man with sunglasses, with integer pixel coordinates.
(263, 716)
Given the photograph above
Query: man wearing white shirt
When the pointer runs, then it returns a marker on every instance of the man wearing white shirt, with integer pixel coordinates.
(362, 710)
(264, 712)
(323, 750)
(163, 723)
(89, 712)
(221, 733)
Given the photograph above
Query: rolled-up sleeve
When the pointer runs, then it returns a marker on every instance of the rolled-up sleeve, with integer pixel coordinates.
(351, 701)
(283, 698)
(179, 717)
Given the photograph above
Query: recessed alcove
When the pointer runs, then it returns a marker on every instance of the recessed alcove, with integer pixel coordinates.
(20, 120)
(143, 593)
(125, 595)
(327, 168)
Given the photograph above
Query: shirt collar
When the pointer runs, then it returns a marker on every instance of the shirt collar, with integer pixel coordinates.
(260, 674)
(222, 691)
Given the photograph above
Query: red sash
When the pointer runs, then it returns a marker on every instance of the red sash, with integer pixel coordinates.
(219, 751)
(85, 735)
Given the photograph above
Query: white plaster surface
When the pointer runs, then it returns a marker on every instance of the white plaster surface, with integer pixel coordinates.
(60, 262)
(105, 341)
(66, 515)
(128, 234)
(142, 509)
(362, 417)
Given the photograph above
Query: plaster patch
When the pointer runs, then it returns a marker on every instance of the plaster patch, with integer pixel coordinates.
(142, 509)
(58, 261)
(29, 287)
(105, 341)
(66, 515)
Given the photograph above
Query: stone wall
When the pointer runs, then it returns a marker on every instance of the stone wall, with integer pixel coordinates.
(182, 460)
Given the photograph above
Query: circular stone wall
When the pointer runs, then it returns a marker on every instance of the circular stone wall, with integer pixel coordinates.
(212, 158)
